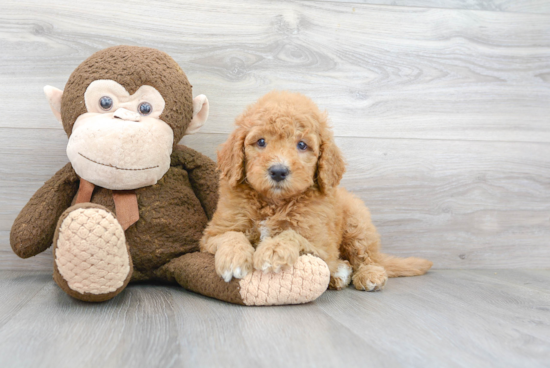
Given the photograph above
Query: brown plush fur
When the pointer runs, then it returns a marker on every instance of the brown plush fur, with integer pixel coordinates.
(132, 67)
(307, 212)
(33, 230)
(195, 272)
(174, 211)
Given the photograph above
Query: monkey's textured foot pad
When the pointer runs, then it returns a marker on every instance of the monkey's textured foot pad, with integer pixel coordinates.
(304, 282)
(92, 261)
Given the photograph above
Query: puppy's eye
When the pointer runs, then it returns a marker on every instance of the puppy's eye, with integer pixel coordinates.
(261, 142)
(145, 108)
(302, 146)
(106, 103)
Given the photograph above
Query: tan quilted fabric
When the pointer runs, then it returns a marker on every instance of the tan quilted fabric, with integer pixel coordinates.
(91, 252)
(302, 283)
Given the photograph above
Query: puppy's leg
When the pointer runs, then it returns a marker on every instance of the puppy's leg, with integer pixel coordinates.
(361, 246)
(232, 254)
(281, 251)
(367, 273)
(340, 274)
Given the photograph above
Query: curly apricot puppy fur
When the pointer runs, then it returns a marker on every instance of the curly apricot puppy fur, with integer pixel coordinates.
(279, 198)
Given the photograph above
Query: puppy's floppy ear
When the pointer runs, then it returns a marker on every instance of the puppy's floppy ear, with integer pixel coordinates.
(231, 157)
(331, 165)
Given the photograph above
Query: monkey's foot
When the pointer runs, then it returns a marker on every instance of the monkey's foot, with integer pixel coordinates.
(304, 282)
(92, 261)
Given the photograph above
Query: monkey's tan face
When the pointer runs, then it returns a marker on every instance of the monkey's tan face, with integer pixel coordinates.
(121, 143)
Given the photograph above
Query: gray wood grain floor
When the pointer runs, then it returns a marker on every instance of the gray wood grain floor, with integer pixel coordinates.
(444, 319)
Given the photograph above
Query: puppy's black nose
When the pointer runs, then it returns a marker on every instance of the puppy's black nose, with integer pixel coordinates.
(278, 172)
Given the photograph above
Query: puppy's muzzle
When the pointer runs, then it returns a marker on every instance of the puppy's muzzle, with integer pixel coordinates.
(278, 173)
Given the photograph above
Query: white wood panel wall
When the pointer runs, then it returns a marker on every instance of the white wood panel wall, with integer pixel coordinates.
(517, 6)
(443, 114)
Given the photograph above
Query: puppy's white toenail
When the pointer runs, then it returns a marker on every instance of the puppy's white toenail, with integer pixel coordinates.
(370, 286)
(227, 276)
(238, 273)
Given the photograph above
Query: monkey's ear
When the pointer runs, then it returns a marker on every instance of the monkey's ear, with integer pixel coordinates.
(54, 98)
(200, 114)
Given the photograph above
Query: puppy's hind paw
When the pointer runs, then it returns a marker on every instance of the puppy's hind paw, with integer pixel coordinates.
(342, 277)
(370, 278)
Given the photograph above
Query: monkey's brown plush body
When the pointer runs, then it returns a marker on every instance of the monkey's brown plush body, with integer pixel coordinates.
(147, 226)
(171, 216)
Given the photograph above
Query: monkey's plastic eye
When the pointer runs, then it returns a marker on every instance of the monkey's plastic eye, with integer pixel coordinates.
(106, 103)
(261, 142)
(145, 108)
(302, 146)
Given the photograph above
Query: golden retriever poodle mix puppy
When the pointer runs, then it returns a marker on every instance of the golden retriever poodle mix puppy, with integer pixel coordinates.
(279, 198)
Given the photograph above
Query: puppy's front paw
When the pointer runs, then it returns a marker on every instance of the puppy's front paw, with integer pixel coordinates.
(233, 262)
(273, 255)
(370, 277)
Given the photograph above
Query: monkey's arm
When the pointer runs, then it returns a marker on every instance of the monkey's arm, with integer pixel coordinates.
(202, 175)
(33, 229)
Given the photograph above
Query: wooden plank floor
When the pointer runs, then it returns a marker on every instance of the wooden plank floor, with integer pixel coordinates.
(447, 318)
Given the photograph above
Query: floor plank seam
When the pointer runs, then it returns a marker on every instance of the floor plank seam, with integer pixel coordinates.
(20, 307)
(526, 286)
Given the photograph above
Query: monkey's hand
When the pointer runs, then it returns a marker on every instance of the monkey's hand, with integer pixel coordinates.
(202, 175)
(33, 230)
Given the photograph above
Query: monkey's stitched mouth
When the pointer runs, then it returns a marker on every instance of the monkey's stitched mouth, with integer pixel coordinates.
(116, 167)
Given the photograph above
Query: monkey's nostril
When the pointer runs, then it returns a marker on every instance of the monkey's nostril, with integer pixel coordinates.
(278, 172)
(127, 115)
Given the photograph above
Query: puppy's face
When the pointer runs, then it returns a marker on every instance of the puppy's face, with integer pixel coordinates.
(281, 147)
(281, 158)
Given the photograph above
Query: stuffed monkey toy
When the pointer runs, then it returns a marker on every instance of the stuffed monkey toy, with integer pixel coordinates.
(131, 205)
